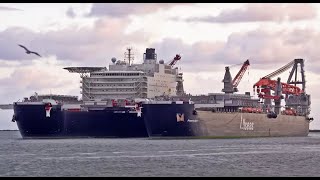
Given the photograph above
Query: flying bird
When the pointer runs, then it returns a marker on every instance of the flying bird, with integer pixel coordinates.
(28, 51)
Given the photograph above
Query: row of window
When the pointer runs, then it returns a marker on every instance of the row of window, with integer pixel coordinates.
(116, 74)
(110, 97)
(158, 85)
(115, 90)
(110, 85)
(111, 80)
(160, 75)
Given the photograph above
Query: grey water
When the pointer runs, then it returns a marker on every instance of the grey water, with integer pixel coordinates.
(276, 156)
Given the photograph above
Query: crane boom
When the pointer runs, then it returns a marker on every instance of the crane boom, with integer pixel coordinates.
(280, 70)
(288, 88)
(240, 74)
(230, 85)
(175, 59)
(295, 98)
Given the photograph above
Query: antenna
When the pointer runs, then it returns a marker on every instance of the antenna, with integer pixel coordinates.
(129, 55)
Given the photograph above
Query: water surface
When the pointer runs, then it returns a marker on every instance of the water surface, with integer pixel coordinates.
(284, 156)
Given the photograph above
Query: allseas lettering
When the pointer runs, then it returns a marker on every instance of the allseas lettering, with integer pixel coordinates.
(247, 126)
(192, 120)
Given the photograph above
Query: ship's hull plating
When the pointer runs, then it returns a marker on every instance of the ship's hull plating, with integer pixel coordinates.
(171, 121)
(33, 123)
(156, 120)
(252, 124)
(232, 124)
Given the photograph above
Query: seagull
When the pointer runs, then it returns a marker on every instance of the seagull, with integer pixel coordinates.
(28, 51)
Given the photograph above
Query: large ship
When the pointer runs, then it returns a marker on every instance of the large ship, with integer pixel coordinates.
(114, 103)
(228, 114)
(148, 100)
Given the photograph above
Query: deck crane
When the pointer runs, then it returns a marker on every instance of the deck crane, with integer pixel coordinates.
(264, 86)
(237, 79)
(174, 60)
(179, 77)
(231, 86)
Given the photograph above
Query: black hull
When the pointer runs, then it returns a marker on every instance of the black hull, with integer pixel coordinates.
(114, 122)
(33, 123)
(162, 121)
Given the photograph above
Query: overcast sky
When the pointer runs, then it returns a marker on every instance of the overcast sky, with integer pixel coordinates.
(208, 37)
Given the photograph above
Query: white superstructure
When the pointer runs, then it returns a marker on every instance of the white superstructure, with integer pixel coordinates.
(123, 80)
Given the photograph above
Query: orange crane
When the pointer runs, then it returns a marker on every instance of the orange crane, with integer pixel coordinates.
(265, 83)
(264, 86)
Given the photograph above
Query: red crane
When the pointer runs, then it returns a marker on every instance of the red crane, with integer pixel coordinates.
(175, 59)
(265, 84)
(287, 88)
(240, 74)
(268, 83)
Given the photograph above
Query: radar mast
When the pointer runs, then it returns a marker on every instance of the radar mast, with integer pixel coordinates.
(129, 55)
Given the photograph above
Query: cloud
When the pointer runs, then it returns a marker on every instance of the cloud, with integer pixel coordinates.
(96, 46)
(267, 49)
(84, 45)
(126, 9)
(195, 57)
(3, 8)
(262, 12)
(70, 13)
(39, 76)
(264, 49)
